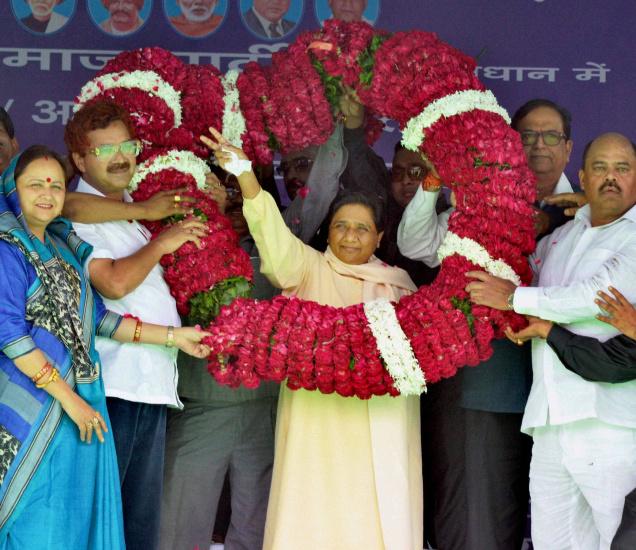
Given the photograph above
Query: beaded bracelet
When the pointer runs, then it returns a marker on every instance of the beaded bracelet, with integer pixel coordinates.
(137, 334)
(45, 368)
(55, 375)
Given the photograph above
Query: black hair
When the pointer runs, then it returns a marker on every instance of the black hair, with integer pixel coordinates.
(586, 150)
(35, 152)
(529, 106)
(7, 123)
(371, 201)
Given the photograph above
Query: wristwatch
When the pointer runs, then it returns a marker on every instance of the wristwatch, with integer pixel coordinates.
(510, 301)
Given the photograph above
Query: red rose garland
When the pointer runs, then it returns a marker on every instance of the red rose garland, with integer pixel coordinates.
(410, 77)
(193, 273)
(318, 347)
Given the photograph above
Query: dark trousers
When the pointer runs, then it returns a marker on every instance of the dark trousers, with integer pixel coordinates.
(139, 430)
(625, 538)
(205, 441)
(478, 464)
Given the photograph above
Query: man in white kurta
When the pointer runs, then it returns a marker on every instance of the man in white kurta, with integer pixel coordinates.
(584, 456)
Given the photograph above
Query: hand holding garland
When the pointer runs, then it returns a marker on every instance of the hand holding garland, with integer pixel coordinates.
(86, 208)
(490, 291)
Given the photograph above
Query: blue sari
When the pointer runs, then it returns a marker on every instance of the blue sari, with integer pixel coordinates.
(55, 491)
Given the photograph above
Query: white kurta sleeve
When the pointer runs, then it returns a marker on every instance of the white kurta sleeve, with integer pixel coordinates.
(421, 230)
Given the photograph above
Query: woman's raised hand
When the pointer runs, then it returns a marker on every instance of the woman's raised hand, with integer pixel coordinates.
(222, 148)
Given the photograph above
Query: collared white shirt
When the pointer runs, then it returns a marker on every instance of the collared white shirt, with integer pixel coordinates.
(571, 265)
(135, 372)
(266, 23)
(422, 230)
(562, 186)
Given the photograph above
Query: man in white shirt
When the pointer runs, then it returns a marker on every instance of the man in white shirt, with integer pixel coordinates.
(478, 459)
(584, 455)
(140, 380)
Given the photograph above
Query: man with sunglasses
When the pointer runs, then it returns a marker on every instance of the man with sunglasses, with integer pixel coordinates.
(140, 381)
(478, 458)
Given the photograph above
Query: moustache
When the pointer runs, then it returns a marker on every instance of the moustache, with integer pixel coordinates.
(610, 184)
(119, 167)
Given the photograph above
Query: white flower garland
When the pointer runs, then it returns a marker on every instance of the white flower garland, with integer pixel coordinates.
(395, 348)
(233, 121)
(448, 106)
(477, 254)
(183, 161)
(147, 81)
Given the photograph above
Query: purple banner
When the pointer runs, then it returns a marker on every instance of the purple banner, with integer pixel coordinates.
(579, 54)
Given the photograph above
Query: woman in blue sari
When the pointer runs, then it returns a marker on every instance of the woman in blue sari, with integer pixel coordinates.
(59, 488)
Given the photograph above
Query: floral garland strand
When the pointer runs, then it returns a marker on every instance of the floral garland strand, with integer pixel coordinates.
(148, 82)
(200, 279)
(394, 347)
(233, 120)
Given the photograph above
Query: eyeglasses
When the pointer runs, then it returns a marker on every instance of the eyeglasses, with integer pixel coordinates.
(108, 150)
(299, 164)
(550, 137)
(414, 173)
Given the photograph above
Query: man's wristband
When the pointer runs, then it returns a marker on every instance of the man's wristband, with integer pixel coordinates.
(431, 183)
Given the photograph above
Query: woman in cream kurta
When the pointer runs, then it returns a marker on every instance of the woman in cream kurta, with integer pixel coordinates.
(347, 472)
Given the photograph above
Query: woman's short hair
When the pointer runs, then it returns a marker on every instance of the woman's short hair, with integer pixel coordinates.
(35, 152)
(371, 201)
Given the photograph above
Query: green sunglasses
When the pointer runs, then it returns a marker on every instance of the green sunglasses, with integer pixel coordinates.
(108, 150)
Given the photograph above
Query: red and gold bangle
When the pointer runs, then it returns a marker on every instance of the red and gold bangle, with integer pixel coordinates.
(45, 368)
(431, 183)
(137, 334)
(55, 375)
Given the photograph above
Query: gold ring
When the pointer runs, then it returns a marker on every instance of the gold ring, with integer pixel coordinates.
(519, 341)
(95, 421)
(177, 199)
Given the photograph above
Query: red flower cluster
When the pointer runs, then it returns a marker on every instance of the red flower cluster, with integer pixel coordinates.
(319, 347)
(202, 104)
(297, 113)
(253, 89)
(165, 64)
(347, 40)
(191, 270)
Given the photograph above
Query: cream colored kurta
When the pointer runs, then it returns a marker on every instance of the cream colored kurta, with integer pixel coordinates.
(347, 472)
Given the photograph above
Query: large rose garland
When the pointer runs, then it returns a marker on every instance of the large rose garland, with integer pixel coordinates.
(430, 89)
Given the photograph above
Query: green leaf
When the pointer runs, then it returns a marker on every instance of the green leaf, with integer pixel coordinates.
(204, 306)
(464, 305)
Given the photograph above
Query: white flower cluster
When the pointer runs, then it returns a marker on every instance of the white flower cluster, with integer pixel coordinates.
(182, 161)
(395, 348)
(477, 254)
(147, 81)
(233, 120)
(448, 106)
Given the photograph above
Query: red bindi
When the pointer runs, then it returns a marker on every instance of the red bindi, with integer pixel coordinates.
(48, 180)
